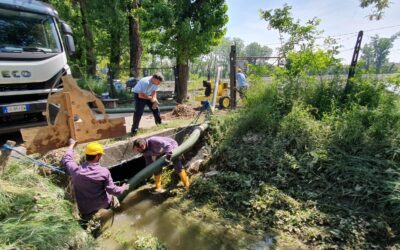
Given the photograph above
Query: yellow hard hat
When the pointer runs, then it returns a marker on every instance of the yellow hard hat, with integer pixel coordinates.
(94, 148)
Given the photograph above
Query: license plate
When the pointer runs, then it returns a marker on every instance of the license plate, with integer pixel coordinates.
(16, 108)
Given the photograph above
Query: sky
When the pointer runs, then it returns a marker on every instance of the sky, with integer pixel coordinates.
(341, 19)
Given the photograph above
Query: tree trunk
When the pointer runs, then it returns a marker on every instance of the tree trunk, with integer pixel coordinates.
(89, 44)
(115, 58)
(135, 44)
(183, 76)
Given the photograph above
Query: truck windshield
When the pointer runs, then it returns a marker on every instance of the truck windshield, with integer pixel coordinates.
(28, 32)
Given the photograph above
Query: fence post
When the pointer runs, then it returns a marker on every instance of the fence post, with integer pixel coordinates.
(232, 61)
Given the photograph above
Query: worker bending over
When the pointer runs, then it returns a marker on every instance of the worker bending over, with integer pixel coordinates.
(93, 184)
(153, 148)
(145, 93)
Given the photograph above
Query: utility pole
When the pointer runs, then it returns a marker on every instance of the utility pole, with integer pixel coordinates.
(232, 61)
(352, 69)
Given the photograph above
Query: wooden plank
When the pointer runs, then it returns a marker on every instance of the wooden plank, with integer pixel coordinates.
(70, 116)
(43, 139)
(105, 128)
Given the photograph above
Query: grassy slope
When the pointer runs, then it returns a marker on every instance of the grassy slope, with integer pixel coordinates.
(34, 213)
(296, 165)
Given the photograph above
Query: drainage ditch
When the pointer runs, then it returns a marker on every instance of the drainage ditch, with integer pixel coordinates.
(158, 215)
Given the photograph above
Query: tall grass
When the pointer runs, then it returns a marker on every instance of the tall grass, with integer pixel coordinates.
(338, 161)
(34, 213)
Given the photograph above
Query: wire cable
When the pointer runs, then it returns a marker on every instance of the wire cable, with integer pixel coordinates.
(39, 163)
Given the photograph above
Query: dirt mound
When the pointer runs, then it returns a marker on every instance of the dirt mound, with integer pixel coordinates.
(182, 110)
(55, 156)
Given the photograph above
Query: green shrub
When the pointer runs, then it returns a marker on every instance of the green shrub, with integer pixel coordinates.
(298, 142)
(94, 85)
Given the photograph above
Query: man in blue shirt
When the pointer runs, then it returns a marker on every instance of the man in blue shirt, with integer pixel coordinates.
(241, 83)
(145, 93)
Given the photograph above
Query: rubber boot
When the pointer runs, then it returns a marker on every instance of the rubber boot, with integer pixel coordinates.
(157, 180)
(184, 179)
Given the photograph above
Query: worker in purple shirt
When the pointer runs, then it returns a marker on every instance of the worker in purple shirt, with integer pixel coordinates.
(153, 148)
(93, 185)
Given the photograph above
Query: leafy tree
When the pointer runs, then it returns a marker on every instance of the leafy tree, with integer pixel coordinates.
(135, 43)
(309, 62)
(379, 7)
(116, 25)
(299, 50)
(184, 30)
(89, 43)
(105, 22)
(302, 36)
(69, 11)
(220, 56)
(375, 54)
(110, 17)
(206, 64)
(255, 49)
(239, 46)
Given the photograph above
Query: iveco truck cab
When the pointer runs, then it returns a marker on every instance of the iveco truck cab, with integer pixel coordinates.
(33, 58)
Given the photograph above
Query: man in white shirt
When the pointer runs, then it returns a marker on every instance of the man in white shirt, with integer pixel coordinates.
(145, 93)
(242, 83)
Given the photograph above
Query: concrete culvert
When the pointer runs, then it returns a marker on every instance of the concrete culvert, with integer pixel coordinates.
(124, 164)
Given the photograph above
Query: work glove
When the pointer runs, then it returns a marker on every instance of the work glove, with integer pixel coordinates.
(154, 103)
(115, 202)
(168, 159)
(125, 186)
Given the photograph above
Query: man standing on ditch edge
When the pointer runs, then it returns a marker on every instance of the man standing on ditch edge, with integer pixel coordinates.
(145, 93)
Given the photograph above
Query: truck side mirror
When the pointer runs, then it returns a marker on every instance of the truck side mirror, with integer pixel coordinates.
(68, 39)
(69, 44)
(66, 29)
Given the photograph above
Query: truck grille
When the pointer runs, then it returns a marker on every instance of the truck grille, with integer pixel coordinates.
(26, 87)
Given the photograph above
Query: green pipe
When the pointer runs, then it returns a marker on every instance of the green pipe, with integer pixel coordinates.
(158, 164)
(131, 110)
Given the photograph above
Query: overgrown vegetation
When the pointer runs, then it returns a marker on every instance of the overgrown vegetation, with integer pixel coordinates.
(297, 161)
(141, 241)
(96, 86)
(34, 213)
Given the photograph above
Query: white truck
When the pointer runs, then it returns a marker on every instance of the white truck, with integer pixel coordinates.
(33, 57)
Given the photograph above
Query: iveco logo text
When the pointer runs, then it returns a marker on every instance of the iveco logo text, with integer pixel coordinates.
(16, 73)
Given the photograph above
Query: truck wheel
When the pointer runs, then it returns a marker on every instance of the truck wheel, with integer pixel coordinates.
(224, 102)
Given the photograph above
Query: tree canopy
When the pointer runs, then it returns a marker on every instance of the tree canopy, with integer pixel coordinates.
(378, 7)
(375, 53)
(302, 36)
(184, 30)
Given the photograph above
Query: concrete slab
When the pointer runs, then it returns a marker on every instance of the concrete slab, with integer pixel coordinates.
(121, 151)
(146, 122)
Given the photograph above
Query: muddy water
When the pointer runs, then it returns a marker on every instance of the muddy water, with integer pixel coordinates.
(148, 213)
